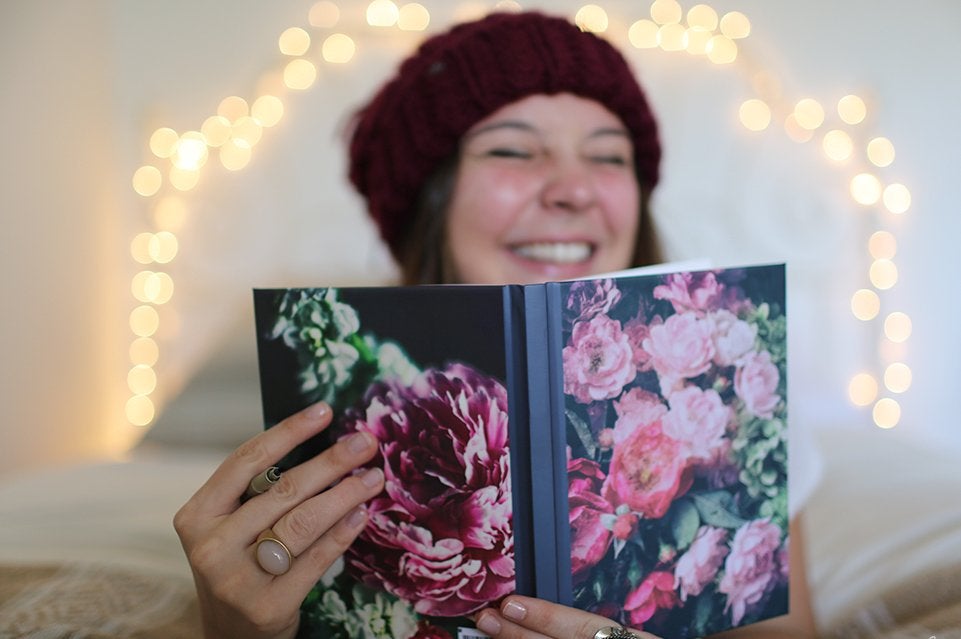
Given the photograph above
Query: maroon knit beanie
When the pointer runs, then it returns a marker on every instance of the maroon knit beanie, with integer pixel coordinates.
(457, 78)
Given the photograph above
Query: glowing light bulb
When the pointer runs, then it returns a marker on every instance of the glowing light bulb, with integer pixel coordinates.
(809, 113)
(837, 145)
(643, 34)
(862, 389)
(163, 141)
(234, 155)
(247, 130)
(140, 248)
(233, 108)
(672, 37)
(215, 130)
(144, 350)
(147, 180)
(697, 40)
(591, 17)
(300, 74)
(294, 41)
(896, 198)
(144, 321)
(880, 152)
(183, 179)
(735, 24)
(338, 48)
(897, 327)
(883, 274)
(140, 410)
(702, 16)
(139, 285)
(191, 151)
(141, 380)
(666, 12)
(508, 6)
(852, 109)
(866, 189)
(865, 304)
(324, 15)
(897, 377)
(755, 114)
(721, 50)
(382, 13)
(415, 17)
(882, 245)
(267, 110)
(886, 413)
(163, 247)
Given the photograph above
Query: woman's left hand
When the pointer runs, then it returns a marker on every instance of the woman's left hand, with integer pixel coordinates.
(526, 617)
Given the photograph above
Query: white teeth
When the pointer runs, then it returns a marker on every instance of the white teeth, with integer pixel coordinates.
(562, 252)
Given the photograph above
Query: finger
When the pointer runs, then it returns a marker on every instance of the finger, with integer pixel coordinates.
(282, 503)
(554, 620)
(316, 560)
(493, 623)
(219, 495)
(301, 527)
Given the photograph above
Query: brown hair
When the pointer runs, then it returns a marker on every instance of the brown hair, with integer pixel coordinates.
(422, 252)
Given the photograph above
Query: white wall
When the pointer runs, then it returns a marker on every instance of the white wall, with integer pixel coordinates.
(121, 69)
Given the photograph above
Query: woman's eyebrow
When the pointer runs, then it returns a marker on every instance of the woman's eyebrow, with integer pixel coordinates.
(502, 124)
(610, 131)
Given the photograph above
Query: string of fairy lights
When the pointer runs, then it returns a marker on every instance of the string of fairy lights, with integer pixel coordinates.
(232, 133)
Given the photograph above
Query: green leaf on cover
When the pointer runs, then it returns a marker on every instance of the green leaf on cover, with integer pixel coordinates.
(717, 509)
(583, 432)
(685, 523)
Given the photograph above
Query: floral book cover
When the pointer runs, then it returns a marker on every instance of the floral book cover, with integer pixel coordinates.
(616, 444)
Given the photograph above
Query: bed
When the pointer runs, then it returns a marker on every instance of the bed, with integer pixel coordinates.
(89, 550)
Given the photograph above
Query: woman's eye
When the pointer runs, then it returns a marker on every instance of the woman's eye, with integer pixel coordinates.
(613, 159)
(507, 152)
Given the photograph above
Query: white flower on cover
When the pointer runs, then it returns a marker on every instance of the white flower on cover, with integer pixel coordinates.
(733, 338)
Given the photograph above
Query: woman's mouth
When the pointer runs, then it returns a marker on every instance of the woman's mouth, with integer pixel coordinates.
(555, 252)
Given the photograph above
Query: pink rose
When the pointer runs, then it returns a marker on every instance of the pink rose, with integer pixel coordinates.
(635, 409)
(751, 570)
(697, 292)
(598, 362)
(733, 338)
(587, 299)
(755, 382)
(440, 535)
(699, 420)
(589, 538)
(426, 630)
(682, 347)
(699, 564)
(647, 472)
(637, 331)
(655, 593)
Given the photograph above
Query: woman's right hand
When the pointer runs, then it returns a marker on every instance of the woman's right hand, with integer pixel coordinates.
(316, 509)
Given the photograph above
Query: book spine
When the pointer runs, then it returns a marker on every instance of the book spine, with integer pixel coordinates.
(515, 348)
(541, 452)
(558, 442)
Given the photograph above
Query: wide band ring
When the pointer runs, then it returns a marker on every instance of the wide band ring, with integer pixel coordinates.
(615, 632)
(272, 554)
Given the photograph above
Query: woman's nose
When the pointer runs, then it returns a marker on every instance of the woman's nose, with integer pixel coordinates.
(568, 188)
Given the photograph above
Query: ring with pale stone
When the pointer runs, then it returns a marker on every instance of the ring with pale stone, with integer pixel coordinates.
(272, 554)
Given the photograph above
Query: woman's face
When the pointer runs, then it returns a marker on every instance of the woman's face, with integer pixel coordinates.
(545, 190)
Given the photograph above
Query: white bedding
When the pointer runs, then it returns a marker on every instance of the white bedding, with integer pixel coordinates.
(885, 517)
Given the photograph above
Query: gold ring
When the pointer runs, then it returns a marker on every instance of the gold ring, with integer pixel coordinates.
(272, 554)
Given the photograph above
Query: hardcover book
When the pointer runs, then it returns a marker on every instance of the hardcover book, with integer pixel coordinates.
(616, 444)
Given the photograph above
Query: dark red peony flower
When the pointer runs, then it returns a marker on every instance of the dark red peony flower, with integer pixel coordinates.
(440, 535)
(589, 538)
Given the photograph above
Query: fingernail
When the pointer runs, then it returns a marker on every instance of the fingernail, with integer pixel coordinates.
(357, 517)
(488, 623)
(359, 442)
(320, 410)
(514, 610)
(372, 477)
